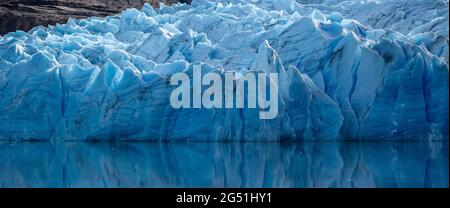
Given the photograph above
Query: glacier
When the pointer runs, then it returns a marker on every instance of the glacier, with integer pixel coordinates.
(108, 78)
(423, 22)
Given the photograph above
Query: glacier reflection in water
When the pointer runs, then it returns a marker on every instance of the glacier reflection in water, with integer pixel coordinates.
(387, 164)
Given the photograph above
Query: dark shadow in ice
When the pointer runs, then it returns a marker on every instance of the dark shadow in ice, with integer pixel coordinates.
(388, 164)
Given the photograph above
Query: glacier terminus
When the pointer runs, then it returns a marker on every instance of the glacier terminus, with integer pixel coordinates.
(340, 76)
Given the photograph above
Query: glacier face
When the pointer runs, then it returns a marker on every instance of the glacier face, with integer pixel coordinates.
(108, 78)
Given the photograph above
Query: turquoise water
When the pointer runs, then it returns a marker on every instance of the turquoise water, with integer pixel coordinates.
(314, 164)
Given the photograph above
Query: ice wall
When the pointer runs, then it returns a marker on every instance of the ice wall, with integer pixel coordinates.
(108, 78)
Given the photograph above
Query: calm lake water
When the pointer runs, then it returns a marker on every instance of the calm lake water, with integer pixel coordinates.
(314, 164)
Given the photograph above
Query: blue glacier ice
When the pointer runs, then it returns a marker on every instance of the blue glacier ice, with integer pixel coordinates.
(423, 22)
(109, 78)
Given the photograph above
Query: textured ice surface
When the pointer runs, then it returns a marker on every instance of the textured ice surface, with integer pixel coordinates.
(108, 78)
(423, 22)
(220, 164)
